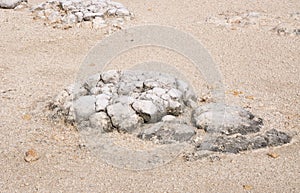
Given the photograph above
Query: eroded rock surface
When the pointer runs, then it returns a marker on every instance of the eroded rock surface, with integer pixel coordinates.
(11, 4)
(128, 99)
(242, 143)
(160, 108)
(225, 119)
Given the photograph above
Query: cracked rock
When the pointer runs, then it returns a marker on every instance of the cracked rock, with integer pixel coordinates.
(243, 143)
(160, 108)
(123, 117)
(10, 4)
(147, 110)
(168, 133)
(102, 101)
(101, 122)
(84, 107)
(225, 119)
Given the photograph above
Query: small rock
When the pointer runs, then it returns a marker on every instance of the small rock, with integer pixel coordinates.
(273, 155)
(101, 122)
(123, 117)
(102, 101)
(168, 118)
(122, 12)
(111, 76)
(84, 107)
(31, 155)
(10, 4)
(147, 110)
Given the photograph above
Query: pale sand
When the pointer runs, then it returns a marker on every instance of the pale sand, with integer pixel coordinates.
(37, 62)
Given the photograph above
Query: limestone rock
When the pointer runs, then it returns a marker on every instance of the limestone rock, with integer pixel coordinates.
(10, 4)
(225, 119)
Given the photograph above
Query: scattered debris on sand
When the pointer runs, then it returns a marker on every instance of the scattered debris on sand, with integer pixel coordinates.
(286, 25)
(82, 13)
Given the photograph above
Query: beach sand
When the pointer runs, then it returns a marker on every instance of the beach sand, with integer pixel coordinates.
(37, 62)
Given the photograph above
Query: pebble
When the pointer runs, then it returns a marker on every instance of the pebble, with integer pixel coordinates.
(31, 155)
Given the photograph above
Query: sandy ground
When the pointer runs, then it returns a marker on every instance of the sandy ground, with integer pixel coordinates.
(37, 62)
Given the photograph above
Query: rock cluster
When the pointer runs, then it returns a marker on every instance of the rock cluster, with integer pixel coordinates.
(124, 101)
(160, 108)
(89, 13)
(286, 25)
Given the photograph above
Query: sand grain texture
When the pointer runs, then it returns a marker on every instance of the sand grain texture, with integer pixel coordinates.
(38, 61)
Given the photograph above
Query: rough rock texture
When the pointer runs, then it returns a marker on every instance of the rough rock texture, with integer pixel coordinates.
(90, 13)
(242, 143)
(127, 99)
(167, 132)
(10, 4)
(160, 108)
(225, 119)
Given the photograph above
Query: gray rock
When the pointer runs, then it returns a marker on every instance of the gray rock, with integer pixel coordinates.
(10, 4)
(225, 119)
(168, 118)
(174, 107)
(243, 143)
(276, 138)
(122, 12)
(168, 133)
(111, 76)
(84, 107)
(174, 93)
(123, 117)
(101, 122)
(147, 110)
(102, 101)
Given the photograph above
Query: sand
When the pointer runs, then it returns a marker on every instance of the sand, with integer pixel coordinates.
(38, 61)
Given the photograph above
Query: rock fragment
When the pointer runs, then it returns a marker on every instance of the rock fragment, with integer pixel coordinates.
(225, 119)
(101, 122)
(242, 143)
(31, 155)
(123, 117)
(10, 4)
(168, 133)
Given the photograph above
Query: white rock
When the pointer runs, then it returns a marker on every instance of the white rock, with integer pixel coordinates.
(147, 110)
(122, 12)
(168, 118)
(102, 101)
(111, 76)
(79, 16)
(174, 93)
(10, 4)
